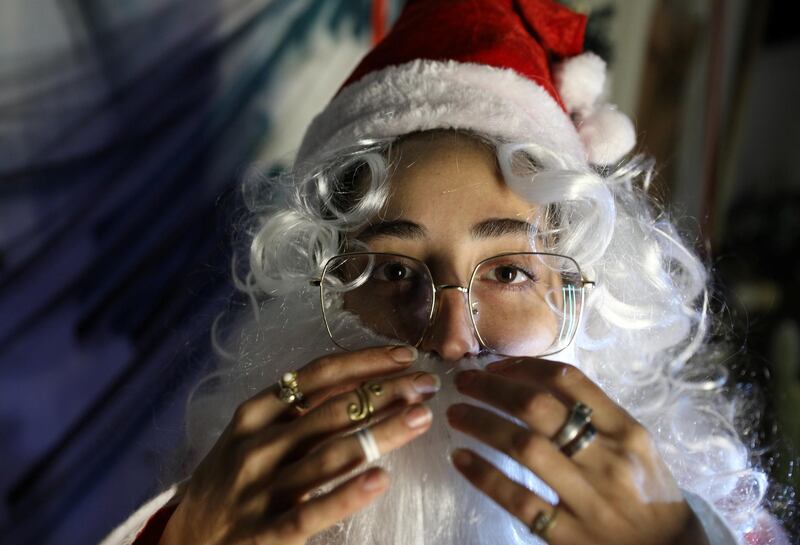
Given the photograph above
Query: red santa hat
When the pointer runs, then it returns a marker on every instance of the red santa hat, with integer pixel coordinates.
(510, 69)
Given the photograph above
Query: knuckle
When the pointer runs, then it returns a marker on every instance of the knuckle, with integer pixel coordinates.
(241, 416)
(330, 458)
(619, 471)
(567, 376)
(531, 448)
(326, 367)
(522, 504)
(637, 439)
(332, 411)
(250, 460)
(536, 406)
(604, 517)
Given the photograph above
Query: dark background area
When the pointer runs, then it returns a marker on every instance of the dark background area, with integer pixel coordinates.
(125, 129)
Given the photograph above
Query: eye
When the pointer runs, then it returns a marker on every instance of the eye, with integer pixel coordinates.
(508, 274)
(393, 272)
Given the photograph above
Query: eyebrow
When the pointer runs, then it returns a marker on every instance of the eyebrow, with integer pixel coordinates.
(398, 228)
(491, 228)
(498, 227)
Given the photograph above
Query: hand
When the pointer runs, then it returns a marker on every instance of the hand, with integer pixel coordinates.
(617, 490)
(254, 485)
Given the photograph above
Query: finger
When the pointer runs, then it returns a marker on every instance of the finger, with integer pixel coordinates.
(321, 374)
(539, 409)
(517, 499)
(345, 410)
(285, 443)
(532, 450)
(354, 367)
(569, 384)
(317, 514)
(338, 456)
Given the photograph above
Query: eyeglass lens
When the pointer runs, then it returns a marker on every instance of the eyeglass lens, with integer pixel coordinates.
(521, 304)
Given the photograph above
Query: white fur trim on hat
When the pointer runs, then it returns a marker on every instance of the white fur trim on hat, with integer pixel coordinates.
(607, 134)
(580, 81)
(425, 94)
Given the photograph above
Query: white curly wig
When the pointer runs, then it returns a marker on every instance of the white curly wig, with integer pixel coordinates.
(644, 335)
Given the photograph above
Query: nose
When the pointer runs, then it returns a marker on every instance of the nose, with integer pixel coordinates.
(451, 335)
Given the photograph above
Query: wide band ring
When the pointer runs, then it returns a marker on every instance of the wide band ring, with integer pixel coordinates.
(289, 392)
(363, 408)
(581, 442)
(544, 523)
(368, 444)
(579, 417)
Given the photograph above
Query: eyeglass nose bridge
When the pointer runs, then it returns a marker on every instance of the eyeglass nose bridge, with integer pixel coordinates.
(437, 302)
(437, 305)
(442, 287)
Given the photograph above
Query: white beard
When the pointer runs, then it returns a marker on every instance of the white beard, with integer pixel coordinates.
(428, 501)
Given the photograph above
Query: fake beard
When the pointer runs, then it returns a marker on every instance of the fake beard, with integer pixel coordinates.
(428, 501)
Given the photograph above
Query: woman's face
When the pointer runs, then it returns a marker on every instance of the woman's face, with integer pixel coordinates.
(450, 209)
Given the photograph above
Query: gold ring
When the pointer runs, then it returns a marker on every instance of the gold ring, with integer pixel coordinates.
(289, 392)
(544, 523)
(363, 407)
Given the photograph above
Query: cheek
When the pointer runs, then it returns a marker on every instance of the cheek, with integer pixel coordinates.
(520, 326)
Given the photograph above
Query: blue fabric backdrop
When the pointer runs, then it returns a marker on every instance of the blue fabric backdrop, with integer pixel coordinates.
(125, 128)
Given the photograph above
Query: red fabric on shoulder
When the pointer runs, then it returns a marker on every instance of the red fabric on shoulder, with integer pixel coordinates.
(154, 529)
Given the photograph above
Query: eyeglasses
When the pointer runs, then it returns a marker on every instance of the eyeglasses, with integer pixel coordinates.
(520, 303)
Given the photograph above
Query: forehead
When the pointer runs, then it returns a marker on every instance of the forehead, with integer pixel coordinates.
(444, 175)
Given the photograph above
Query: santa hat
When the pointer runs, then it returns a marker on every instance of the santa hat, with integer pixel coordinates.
(510, 69)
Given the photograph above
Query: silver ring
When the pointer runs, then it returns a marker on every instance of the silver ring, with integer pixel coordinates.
(583, 440)
(368, 444)
(579, 417)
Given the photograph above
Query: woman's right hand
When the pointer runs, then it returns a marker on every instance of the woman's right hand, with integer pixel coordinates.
(254, 485)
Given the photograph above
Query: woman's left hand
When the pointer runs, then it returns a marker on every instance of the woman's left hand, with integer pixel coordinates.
(617, 490)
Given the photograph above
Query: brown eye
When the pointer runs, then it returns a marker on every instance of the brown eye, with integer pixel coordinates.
(509, 275)
(393, 272)
(506, 274)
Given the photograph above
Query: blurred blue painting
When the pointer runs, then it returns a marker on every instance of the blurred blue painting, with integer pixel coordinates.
(125, 130)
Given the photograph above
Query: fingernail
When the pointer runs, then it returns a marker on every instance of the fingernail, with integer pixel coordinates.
(462, 458)
(374, 481)
(404, 354)
(418, 416)
(426, 383)
(465, 378)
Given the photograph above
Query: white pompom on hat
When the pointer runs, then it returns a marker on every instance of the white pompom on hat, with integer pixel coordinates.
(512, 69)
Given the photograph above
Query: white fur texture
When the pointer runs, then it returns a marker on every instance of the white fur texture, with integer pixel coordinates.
(607, 134)
(580, 81)
(423, 95)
